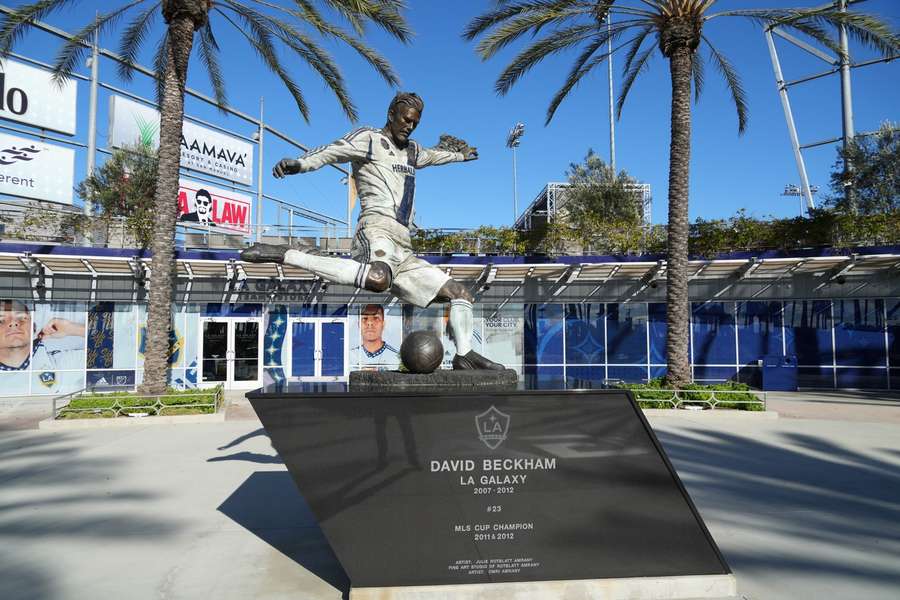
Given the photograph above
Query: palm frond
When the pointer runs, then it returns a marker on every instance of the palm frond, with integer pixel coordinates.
(637, 66)
(375, 60)
(482, 23)
(697, 72)
(160, 64)
(13, 26)
(538, 51)
(635, 47)
(306, 49)
(383, 13)
(579, 69)
(133, 39)
(734, 84)
(528, 23)
(261, 41)
(74, 48)
(209, 57)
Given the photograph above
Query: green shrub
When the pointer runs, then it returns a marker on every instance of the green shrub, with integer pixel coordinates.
(652, 395)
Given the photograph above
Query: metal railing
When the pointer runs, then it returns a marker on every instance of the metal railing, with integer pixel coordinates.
(136, 404)
(710, 399)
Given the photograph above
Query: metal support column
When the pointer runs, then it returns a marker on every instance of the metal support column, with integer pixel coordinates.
(846, 107)
(259, 171)
(789, 117)
(612, 123)
(92, 130)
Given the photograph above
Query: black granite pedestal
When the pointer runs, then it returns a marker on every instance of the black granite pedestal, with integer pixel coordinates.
(460, 488)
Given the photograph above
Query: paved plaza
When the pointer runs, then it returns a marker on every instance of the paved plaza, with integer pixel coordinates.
(805, 506)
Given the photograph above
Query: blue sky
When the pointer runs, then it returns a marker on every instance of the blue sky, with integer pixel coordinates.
(729, 172)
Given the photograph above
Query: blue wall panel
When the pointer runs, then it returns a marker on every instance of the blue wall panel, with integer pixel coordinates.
(759, 331)
(808, 331)
(584, 334)
(626, 333)
(656, 316)
(859, 333)
(713, 336)
(544, 334)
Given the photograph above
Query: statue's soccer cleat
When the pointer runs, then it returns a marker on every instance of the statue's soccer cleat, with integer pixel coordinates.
(264, 253)
(474, 361)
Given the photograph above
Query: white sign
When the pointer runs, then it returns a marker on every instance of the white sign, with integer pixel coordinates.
(202, 149)
(33, 169)
(212, 207)
(29, 95)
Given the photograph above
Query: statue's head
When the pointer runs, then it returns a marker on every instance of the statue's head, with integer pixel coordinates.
(403, 116)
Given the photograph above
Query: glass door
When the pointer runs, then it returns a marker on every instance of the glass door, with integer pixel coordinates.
(245, 362)
(214, 344)
(230, 350)
(319, 349)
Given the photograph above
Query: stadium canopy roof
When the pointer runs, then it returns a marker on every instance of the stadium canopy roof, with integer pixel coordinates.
(71, 273)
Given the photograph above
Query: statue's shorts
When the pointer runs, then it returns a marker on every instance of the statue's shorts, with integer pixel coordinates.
(382, 239)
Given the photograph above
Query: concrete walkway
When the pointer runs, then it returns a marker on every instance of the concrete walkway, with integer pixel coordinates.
(802, 507)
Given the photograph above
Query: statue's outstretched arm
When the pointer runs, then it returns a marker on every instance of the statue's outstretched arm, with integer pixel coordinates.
(351, 147)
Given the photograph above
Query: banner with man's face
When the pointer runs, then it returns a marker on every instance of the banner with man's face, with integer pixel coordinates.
(375, 337)
(207, 206)
(42, 348)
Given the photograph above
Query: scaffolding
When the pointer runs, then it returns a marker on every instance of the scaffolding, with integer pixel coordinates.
(552, 199)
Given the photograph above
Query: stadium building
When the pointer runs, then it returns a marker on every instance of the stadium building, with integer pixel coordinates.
(585, 319)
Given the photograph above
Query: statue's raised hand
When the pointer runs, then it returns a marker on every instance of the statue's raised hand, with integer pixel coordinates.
(455, 144)
(286, 166)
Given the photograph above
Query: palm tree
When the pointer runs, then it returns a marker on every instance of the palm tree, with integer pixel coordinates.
(266, 25)
(675, 27)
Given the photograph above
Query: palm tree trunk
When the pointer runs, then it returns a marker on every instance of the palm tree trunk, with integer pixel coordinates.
(677, 303)
(162, 275)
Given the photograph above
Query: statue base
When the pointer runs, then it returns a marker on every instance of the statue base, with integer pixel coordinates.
(626, 588)
(444, 379)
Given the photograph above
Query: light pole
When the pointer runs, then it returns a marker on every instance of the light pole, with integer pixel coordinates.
(512, 141)
(795, 190)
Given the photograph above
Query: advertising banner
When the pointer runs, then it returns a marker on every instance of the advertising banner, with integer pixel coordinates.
(29, 95)
(202, 149)
(34, 169)
(213, 207)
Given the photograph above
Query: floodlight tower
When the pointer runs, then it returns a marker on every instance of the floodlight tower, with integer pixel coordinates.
(512, 141)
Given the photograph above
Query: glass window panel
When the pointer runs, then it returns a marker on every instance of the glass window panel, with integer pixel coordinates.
(585, 377)
(584, 334)
(895, 379)
(656, 318)
(626, 334)
(759, 331)
(658, 372)
(713, 338)
(808, 331)
(538, 378)
(873, 379)
(628, 374)
(859, 333)
(504, 333)
(714, 374)
(333, 349)
(893, 329)
(303, 347)
(543, 334)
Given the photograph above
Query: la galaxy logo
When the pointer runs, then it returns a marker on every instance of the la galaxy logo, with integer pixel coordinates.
(492, 426)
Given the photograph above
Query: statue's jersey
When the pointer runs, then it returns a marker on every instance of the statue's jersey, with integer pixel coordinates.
(385, 176)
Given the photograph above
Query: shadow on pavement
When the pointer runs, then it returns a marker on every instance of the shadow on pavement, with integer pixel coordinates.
(51, 491)
(268, 505)
(806, 488)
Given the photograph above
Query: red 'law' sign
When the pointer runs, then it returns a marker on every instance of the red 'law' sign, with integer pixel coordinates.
(213, 207)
